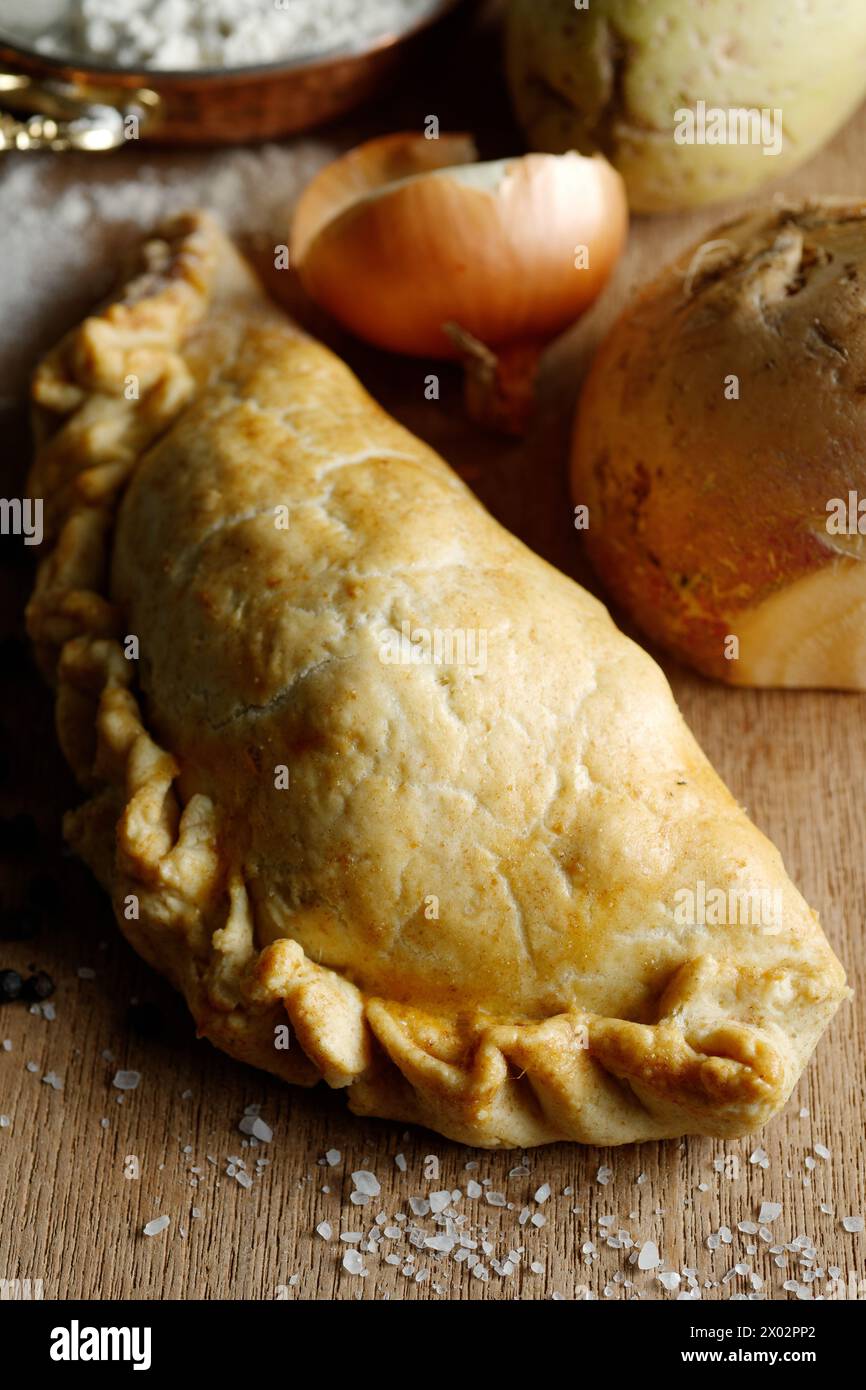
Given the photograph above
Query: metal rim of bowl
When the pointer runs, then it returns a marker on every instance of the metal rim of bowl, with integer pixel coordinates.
(308, 62)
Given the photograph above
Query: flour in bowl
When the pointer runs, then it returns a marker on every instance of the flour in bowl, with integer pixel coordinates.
(186, 34)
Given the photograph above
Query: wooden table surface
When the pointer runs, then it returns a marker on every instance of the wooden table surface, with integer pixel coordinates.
(73, 1200)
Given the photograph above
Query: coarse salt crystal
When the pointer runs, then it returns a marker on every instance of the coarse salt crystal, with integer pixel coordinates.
(332, 1157)
(444, 1243)
(251, 1124)
(543, 1192)
(769, 1212)
(366, 1183)
(158, 1224)
(126, 1080)
(649, 1256)
(852, 1224)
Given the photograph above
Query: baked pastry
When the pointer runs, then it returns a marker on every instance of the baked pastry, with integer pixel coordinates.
(723, 476)
(464, 903)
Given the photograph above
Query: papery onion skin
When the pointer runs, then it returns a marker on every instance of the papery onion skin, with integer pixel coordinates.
(397, 265)
(367, 169)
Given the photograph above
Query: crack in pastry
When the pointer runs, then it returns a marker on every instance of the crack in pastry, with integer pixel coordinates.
(462, 906)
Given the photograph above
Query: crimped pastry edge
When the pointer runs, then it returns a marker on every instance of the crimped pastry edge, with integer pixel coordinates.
(481, 1080)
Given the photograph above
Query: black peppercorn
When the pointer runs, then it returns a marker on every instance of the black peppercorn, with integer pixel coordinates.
(38, 986)
(11, 986)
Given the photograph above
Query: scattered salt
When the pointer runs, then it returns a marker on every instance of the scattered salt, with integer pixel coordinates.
(251, 1124)
(158, 1224)
(366, 1183)
(126, 1080)
(649, 1256)
(770, 1211)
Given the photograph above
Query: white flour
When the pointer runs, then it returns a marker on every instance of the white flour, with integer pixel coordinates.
(177, 34)
(66, 220)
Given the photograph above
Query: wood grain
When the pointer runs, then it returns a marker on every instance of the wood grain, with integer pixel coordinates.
(74, 1220)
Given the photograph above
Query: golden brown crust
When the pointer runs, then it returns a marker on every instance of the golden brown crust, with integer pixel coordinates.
(463, 903)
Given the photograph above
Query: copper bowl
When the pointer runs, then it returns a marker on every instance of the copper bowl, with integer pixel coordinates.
(51, 103)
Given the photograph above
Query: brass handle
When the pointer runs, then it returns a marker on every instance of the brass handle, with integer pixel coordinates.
(43, 114)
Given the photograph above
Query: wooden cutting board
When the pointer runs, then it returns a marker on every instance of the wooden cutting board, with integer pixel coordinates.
(83, 1168)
